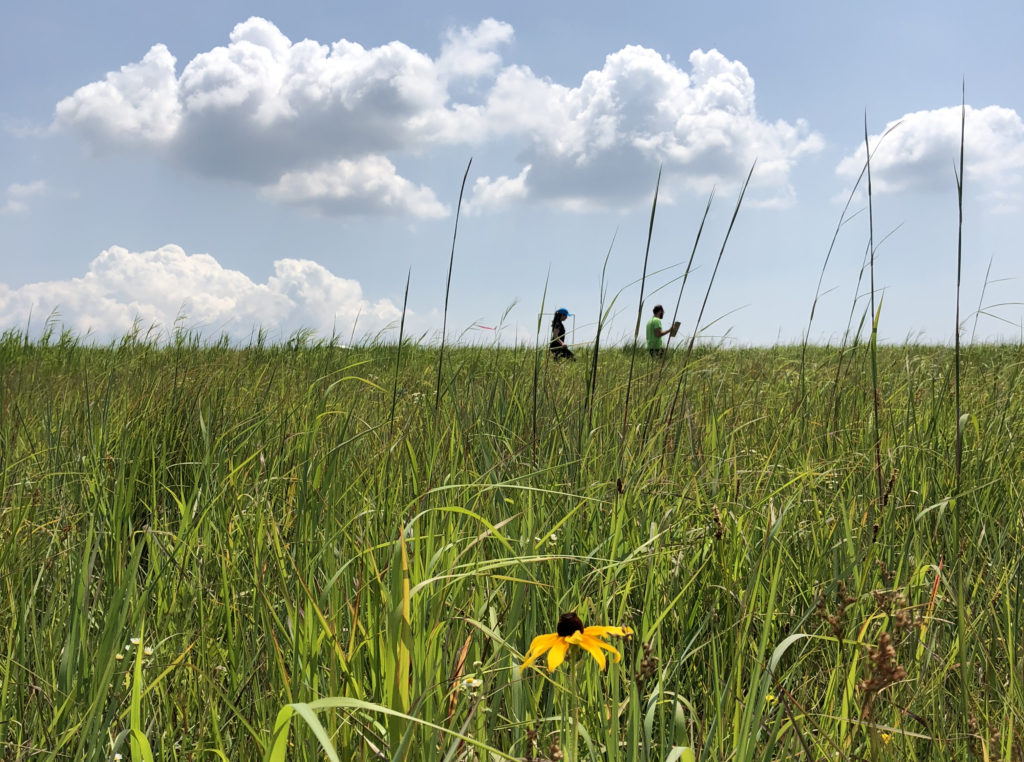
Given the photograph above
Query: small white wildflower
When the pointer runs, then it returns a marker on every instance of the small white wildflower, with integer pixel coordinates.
(147, 651)
(134, 641)
(119, 656)
(118, 757)
(127, 646)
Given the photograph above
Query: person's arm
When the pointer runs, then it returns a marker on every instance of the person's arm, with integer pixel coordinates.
(556, 337)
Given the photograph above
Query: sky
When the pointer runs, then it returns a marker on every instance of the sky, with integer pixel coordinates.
(235, 167)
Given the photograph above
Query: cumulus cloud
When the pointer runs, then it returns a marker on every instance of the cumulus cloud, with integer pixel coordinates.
(368, 185)
(494, 194)
(138, 104)
(263, 105)
(470, 53)
(18, 195)
(286, 115)
(600, 141)
(157, 287)
(922, 148)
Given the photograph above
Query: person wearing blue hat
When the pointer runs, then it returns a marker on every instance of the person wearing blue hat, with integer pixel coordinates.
(559, 349)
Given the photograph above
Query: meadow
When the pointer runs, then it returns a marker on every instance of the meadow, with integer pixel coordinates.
(308, 552)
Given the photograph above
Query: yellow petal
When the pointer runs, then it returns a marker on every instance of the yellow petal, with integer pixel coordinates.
(543, 642)
(538, 646)
(557, 653)
(594, 646)
(598, 631)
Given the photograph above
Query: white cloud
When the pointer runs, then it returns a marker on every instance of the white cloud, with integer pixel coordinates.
(138, 104)
(921, 151)
(18, 195)
(157, 287)
(263, 106)
(369, 185)
(24, 190)
(497, 193)
(470, 53)
(640, 111)
(266, 110)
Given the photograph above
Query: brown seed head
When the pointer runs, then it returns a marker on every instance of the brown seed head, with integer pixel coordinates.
(568, 624)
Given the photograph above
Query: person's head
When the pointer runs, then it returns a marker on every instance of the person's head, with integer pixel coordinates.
(658, 311)
(561, 313)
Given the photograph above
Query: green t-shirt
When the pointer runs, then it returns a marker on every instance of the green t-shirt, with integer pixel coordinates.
(654, 333)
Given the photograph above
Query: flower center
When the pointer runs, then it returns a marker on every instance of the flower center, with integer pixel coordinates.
(568, 624)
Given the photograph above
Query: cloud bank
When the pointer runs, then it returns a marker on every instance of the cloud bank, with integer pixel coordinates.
(922, 149)
(329, 126)
(157, 288)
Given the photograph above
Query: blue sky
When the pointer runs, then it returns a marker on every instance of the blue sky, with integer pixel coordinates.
(230, 164)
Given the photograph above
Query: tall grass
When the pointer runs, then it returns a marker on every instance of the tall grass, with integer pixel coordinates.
(711, 282)
(876, 315)
(448, 286)
(964, 653)
(639, 314)
(232, 509)
(958, 449)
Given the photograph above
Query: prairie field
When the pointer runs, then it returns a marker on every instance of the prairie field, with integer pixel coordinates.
(309, 552)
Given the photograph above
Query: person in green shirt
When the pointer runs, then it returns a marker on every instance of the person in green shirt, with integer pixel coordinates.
(654, 332)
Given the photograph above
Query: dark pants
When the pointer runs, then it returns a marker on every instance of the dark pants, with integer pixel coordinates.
(657, 354)
(562, 353)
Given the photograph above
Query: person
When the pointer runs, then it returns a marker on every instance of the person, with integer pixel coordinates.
(559, 349)
(654, 333)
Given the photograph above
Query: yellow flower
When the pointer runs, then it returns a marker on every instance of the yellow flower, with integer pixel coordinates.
(571, 632)
(886, 737)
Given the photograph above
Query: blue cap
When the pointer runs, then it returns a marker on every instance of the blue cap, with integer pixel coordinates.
(563, 311)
